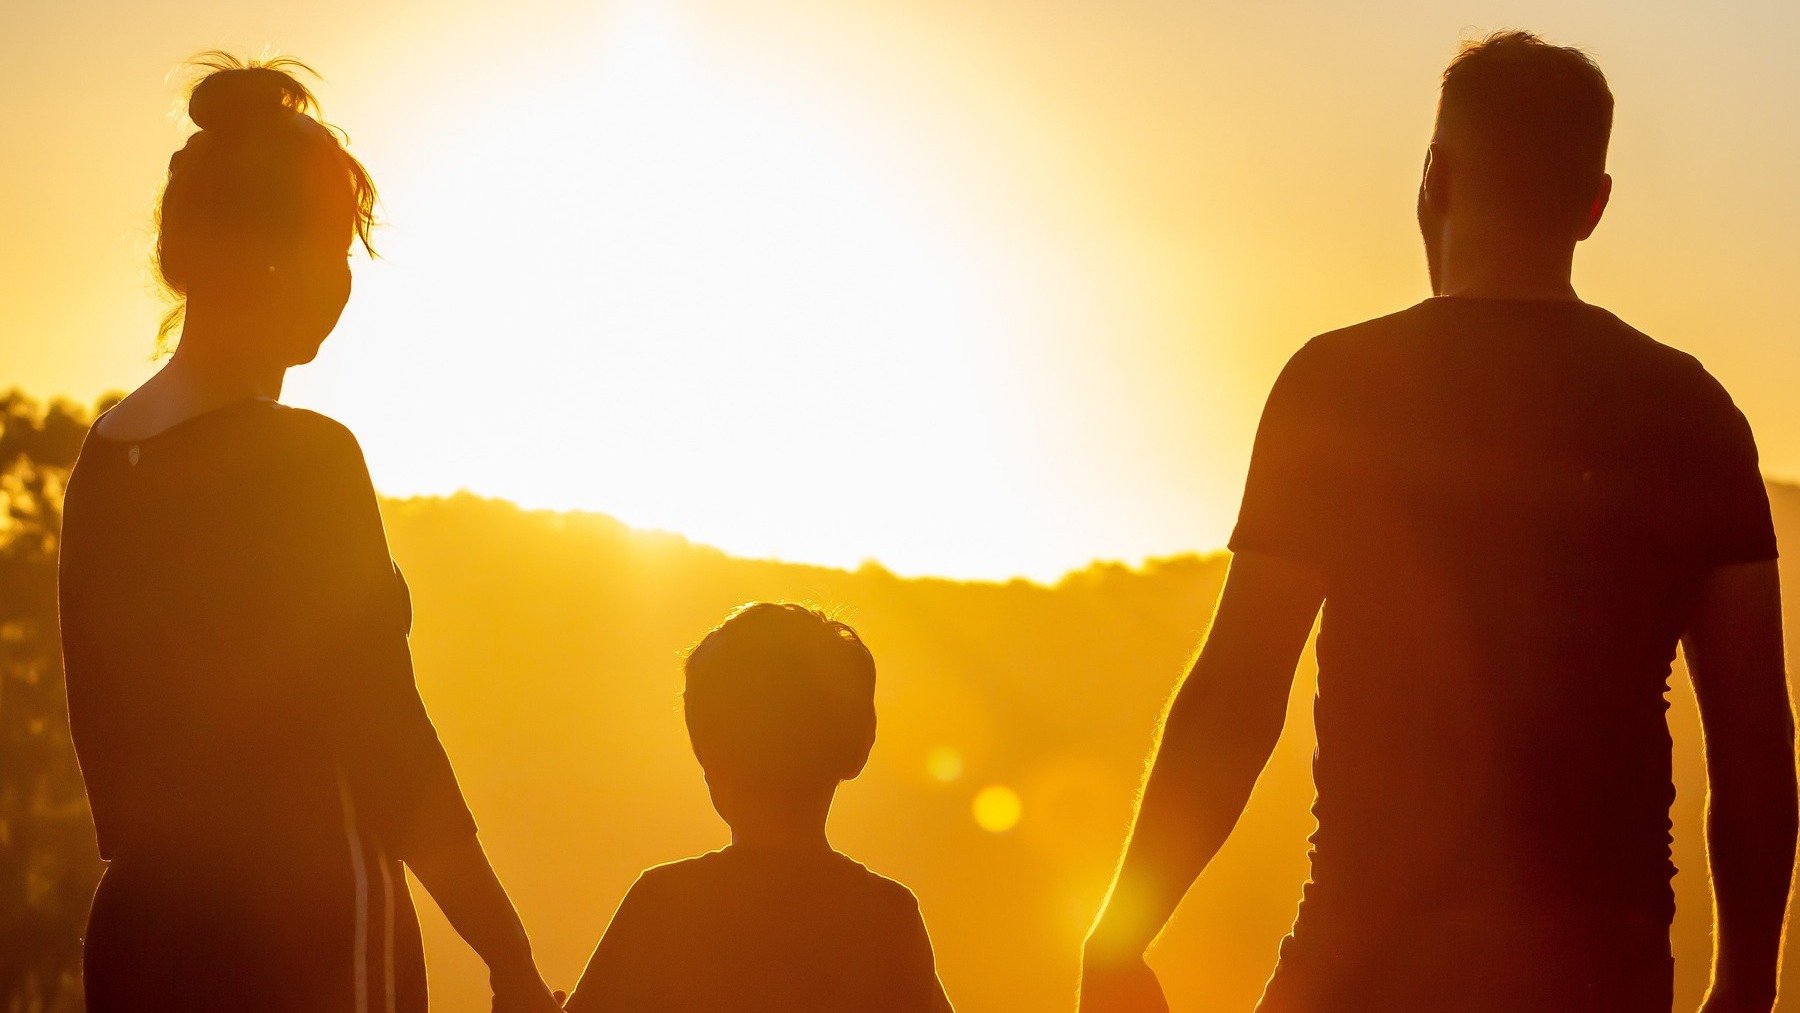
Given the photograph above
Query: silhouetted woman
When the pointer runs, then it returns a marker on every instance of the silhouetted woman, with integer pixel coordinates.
(240, 688)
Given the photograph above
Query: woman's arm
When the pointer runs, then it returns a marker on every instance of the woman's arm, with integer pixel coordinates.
(383, 740)
(459, 877)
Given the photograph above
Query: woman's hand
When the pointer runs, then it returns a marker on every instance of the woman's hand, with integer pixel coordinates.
(462, 882)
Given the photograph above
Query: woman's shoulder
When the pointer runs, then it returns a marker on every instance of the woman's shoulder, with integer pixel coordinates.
(309, 440)
(257, 420)
(305, 460)
(306, 426)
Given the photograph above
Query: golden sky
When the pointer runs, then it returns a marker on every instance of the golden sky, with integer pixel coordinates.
(969, 287)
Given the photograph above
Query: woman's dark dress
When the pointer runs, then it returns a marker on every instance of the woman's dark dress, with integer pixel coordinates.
(242, 701)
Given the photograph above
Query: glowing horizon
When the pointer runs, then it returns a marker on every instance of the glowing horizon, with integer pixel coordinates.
(960, 289)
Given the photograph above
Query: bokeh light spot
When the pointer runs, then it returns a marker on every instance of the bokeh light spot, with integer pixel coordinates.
(945, 764)
(997, 808)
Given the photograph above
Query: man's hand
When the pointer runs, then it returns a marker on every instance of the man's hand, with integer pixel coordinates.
(1119, 983)
(1733, 646)
(1216, 736)
(1723, 1000)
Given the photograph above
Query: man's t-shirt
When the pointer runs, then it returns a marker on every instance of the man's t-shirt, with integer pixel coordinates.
(763, 929)
(1513, 504)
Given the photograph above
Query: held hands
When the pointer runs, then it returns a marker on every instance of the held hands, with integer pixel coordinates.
(1122, 983)
(1725, 1000)
(523, 990)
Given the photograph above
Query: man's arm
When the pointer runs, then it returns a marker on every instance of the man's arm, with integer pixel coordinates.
(1216, 737)
(1734, 655)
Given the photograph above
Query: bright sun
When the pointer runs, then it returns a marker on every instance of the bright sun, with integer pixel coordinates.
(654, 283)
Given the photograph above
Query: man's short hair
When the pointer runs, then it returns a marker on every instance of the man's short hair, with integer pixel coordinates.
(1531, 122)
(781, 692)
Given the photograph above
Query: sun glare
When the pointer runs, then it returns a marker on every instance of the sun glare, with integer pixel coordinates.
(717, 306)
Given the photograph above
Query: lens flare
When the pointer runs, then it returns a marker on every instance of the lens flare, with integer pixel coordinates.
(997, 809)
(945, 764)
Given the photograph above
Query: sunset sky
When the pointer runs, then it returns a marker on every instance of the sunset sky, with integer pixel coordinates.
(968, 287)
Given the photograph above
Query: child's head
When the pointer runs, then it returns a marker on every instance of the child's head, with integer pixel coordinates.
(780, 703)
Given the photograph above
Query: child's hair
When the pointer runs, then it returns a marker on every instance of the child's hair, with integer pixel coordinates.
(781, 692)
(260, 178)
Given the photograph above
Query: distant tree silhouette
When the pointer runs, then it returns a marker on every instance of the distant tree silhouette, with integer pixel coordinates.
(48, 861)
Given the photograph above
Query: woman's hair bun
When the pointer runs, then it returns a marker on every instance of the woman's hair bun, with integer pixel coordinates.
(261, 179)
(237, 97)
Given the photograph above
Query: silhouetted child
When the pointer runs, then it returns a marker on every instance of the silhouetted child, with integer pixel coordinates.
(780, 706)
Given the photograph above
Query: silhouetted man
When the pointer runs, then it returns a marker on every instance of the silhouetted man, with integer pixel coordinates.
(1512, 507)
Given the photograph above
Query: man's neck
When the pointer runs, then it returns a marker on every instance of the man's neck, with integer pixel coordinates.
(1498, 265)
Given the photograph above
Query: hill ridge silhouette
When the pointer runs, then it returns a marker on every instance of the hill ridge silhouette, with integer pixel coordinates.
(583, 778)
(612, 525)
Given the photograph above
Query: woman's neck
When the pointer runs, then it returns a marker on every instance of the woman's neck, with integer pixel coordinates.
(208, 371)
(204, 374)
(216, 357)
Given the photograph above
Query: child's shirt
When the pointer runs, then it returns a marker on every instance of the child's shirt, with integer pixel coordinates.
(763, 929)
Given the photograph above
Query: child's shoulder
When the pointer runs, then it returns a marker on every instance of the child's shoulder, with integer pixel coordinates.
(888, 892)
(674, 891)
(682, 871)
(732, 869)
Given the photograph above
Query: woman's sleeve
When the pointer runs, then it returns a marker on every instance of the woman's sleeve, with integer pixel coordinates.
(399, 778)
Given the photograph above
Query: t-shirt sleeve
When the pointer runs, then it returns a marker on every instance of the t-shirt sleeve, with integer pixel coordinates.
(917, 987)
(399, 778)
(619, 974)
(1730, 520)
(1292, 494)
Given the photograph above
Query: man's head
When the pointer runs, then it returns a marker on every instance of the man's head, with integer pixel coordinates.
(780, 702)
(1522, 130)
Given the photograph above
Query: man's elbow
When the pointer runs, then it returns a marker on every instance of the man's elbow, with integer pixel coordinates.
(1218, 720)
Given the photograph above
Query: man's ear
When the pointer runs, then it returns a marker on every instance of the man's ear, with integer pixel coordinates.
(1434, 181)
(1602, 194)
